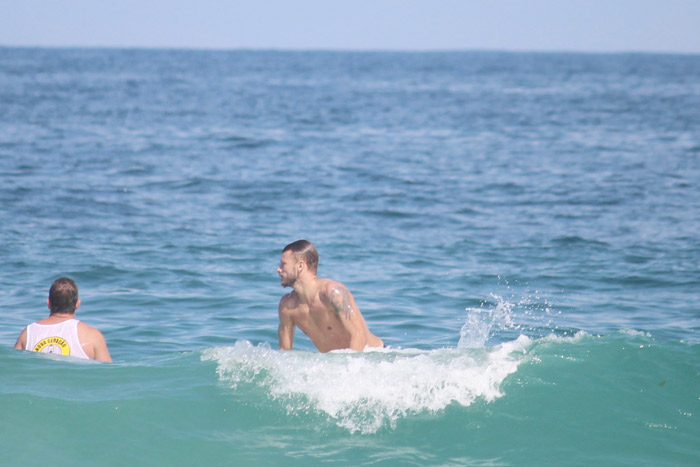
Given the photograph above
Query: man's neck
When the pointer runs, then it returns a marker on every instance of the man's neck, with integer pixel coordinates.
(59, 317)
(306, 289)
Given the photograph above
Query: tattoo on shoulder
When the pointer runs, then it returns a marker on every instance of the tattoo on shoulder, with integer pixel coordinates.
(340, 300)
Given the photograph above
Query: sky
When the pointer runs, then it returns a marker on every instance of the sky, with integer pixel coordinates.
(511, 25)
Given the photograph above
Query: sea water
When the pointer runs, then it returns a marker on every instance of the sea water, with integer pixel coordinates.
(521, 229)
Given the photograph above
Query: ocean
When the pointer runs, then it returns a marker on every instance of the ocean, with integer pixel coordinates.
(521, 229)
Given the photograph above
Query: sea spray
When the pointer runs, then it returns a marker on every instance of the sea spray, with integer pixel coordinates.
(505, 319)
(480, 323)
(362, 392)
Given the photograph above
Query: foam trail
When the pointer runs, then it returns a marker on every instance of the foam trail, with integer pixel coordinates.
(364, 391)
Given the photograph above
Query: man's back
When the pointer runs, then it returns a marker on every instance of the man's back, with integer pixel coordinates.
(60, 338)
(61, 333)
(64, 337)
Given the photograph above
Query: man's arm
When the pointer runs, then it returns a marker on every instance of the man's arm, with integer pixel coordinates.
(21, 340)
(285, 330)
(93, 343)
(344, 306)
(101, 351)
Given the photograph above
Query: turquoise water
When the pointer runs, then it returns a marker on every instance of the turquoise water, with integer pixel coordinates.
(521, 229)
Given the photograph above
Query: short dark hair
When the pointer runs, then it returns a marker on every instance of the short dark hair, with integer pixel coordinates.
(63, 296)
(304, 249)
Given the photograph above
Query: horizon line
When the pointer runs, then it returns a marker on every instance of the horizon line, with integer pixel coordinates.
(346, 50)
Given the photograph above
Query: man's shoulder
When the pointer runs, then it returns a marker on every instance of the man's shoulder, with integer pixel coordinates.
(89, 332)
(289, 300)
(326, 285)
(21, 342)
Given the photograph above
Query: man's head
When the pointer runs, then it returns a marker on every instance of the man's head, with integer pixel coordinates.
(297, 257)
(63, 296)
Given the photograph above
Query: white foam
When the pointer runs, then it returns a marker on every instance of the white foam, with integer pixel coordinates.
(364, 391)
(635, 333)
(577, 337)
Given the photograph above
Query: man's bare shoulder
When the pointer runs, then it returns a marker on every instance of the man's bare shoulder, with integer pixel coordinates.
(93, 342)
(289, 301)
(328, 285)
(21, 342)
(89, 332)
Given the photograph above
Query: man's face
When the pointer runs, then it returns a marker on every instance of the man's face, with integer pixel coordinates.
(287, 269)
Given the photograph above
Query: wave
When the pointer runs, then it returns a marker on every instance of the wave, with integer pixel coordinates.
(365, 391)
(362, 392)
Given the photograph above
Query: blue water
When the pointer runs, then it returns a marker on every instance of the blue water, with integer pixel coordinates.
(521, 229)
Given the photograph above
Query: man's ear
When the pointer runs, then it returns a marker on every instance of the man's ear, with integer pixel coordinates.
(48, 302)
(77, 304)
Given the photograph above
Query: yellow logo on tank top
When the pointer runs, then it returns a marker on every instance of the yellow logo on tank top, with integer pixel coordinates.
(54, 345)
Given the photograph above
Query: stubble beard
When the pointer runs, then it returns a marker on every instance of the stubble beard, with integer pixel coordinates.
(288, 282)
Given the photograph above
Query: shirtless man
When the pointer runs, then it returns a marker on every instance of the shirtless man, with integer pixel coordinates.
(61, 333)
(323, 309)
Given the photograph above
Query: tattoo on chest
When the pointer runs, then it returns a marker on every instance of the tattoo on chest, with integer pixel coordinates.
(340, 300)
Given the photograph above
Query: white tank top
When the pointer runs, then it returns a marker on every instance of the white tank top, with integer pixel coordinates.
(61, 338)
